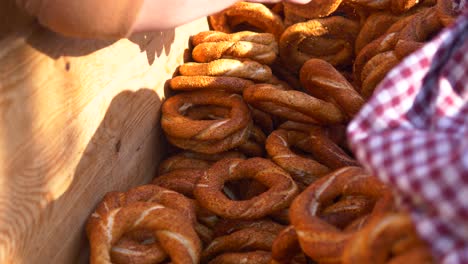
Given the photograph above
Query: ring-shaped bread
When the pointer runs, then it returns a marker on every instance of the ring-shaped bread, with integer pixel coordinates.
(281, 188)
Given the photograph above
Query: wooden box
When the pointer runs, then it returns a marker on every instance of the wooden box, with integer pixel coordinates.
(78, 118)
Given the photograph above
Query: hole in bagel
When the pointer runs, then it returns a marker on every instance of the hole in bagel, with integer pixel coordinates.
(432, 35)
(238, 26)
(337, 199)
(207, 112)
(141, 236)
(309, 260)
(318, 46)
(138, 244)
(243, 189)
(402, 244)
(343, 210)
(296, 150)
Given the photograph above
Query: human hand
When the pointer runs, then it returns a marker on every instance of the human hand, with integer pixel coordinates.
(160, 14)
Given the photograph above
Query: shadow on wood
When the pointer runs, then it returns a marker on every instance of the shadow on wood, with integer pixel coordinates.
(74, 124)
(154, 43)
(123, 152)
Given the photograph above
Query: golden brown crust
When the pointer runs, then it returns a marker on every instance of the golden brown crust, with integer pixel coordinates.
(252, 257)
(331, 39)
(395, 6)
(130, 246)
(212, 45)
(346, 210)
(392, 235)
(228, 67)
(324, 143)
(285, 247)
(216, 36)
(382, 44)
(255, 145)
(212, 146)
(192, 83)
(210, 51)
(255, 14)
(323, 81)
(206, 136)
(131, 251)
(447, 12)
(404, 47)
(86, 18)
(175, 123)
(145, 193)
(172, 229)
(193, 160)
(282, 188)
(293, 105)
(375, 26)
(323, 241)
(313, 9)
(303, 170)
(378, 57)
(181, 180)
(400, 6)
(228, 226)
(327, 151)
(263, 120)
(246, 239)
(235, 195)
(375, 71)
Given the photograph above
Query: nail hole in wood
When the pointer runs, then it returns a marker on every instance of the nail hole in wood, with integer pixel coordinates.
(117, 146)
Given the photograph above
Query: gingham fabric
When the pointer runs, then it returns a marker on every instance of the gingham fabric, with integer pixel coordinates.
(413, 135)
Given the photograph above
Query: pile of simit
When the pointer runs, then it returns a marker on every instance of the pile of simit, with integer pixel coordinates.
(260, 171)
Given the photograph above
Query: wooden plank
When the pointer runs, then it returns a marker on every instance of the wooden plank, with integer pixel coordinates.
(78, 118)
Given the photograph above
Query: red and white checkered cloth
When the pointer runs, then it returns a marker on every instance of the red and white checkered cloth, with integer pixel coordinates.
(413, 134)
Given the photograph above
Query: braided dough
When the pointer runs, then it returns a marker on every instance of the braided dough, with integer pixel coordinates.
(125, 246)
(227, 84)
(211, 45)
(171, 228)
(229, 68)
(210, 51)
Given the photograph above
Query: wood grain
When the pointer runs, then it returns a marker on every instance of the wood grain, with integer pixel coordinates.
(78, 118)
